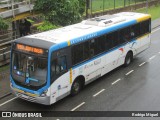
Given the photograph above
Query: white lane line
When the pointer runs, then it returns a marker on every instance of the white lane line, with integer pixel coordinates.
(151, 58)
(129, 72)
(98, 92)
(159, 52)
(142, 64)
(7, 101)
(155, 30)
(78, 106)
(116, 81)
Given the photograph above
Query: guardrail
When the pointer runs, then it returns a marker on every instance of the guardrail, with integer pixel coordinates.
(7, 38)
(5, 45)
(15, 8)
(5, 55)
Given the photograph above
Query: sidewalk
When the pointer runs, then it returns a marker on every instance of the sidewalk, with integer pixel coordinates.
(4, 76)
(4, 83)
(155, 23)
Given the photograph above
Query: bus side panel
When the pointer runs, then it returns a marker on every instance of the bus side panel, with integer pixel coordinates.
(90, 70)
(60, 87)
(145, 42)
(112, 60)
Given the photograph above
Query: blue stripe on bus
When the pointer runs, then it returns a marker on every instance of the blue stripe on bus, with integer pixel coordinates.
(22, 88)
(101, 32)
(98, 56)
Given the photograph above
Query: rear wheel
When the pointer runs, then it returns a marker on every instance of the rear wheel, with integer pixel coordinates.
(76, 87)
(128, 59)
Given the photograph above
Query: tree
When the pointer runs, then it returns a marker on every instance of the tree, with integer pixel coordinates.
(3, 25)
(61, 12)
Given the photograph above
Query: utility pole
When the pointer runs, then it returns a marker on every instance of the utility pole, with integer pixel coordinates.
(29, 5)
(87, 7)
(103, 7)
(147, 6)
(12, 3)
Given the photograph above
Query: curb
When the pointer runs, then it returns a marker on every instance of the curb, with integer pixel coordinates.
(8, 94)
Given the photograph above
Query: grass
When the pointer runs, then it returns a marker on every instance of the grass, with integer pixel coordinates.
(4, 68)
(97, 5)
(153, 11)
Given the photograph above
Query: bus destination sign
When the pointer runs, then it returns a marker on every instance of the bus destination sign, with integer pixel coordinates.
(29, 49)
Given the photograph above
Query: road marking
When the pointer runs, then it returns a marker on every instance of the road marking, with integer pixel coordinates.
(78, 106)
(7, 101)
(151, 58)
(142, 64)
(129, 72)
(98, 92)
(159, 52)
(116, 81)
(155, 30)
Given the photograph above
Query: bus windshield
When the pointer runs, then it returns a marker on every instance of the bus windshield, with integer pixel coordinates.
(29, 70)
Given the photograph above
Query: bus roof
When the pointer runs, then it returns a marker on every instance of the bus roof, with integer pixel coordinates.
(90, 28)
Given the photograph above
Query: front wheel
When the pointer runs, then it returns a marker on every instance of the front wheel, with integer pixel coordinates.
(76, 87)
(128, 59)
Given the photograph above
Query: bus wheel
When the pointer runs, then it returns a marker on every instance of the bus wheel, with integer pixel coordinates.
(128, 59)
(76, 87)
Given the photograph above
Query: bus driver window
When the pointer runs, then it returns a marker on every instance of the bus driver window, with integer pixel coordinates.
(59, 65)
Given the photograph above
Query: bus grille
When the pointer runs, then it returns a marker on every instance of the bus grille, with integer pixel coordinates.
(29, 98)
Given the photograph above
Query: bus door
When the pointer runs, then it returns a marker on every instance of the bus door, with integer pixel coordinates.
(60, 75)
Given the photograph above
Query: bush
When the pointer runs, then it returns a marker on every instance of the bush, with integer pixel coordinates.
(47, 26)
(3, 25)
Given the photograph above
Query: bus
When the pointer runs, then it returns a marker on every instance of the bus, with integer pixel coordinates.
(47, 66)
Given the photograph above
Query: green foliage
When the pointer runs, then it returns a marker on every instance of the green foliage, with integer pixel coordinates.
(61, 12)
(3, 24)
(152, 11)
(46, 26)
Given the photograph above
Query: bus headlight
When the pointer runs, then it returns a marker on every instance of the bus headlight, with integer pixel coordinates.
(44, 93)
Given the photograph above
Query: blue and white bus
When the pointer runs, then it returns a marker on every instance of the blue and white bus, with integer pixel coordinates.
(48, 66)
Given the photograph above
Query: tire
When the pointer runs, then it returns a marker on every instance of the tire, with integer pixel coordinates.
(128, 59)
(76, 87)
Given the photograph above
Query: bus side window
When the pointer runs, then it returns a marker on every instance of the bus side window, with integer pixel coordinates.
(92, 47)
(135, 31)
(62, 63)
(145, 27)
(124, 35)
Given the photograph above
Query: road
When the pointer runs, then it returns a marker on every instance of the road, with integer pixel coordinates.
(132, 88)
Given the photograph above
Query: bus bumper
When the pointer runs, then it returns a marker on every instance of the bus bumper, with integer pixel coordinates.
(36, 99)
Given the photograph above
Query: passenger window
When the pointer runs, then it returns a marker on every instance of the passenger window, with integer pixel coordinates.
(80, 52)
(124, 35)
(135, 31)
(145, 27)
(114, 38)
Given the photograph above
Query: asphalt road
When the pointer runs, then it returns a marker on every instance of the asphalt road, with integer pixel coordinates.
(132, 88)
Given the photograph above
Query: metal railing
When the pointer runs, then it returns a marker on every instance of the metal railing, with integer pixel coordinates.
(5, 45)
(102, 6)
(5, 55)
(16, 7)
